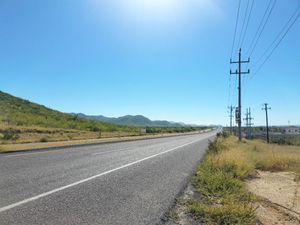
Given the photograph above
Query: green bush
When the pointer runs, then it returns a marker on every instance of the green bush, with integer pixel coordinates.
(10, 134)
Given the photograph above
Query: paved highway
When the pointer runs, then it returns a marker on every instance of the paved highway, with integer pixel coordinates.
(124, 183)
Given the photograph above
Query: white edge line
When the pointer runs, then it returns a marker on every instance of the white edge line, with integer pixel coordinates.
(5, 208)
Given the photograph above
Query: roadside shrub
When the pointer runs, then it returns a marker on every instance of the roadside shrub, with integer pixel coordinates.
(216, 146)
(214, 182)
(44, 139)
(223, 214)
(236, 162)
(72, 126)
(94, 128)
(70, 137)
(223, 134)
(224, 196)
(11, 134)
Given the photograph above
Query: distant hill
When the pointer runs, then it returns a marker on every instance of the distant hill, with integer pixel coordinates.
(139, 121)
(22, 121)
(20, 112)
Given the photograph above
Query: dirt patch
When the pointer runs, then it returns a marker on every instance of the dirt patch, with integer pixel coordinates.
(278, 198)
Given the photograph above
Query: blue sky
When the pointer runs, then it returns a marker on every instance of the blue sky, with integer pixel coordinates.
(165, 59)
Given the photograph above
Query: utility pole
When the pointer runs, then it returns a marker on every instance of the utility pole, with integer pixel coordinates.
(239, 72)
(266, 108)
(249, 123)
(231, 117)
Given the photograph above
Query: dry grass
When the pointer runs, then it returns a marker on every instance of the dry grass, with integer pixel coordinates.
(251, 155)
(40, 145)
(32, 138)
(35, 134)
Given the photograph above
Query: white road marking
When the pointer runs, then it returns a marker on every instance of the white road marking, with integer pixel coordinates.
(5, 208)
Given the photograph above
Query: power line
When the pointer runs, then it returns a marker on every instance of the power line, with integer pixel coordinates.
(260, 30)
(248, 20)
(279, 34)
(244, 83)
(287, 27)
(279, 38)
(243, 25)
(261, 27)
(230, 91)
(234, 90)
(236, 25)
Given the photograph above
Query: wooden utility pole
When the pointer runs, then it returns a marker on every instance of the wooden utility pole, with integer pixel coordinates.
(239, 73)
(231, 117)
(266, 108)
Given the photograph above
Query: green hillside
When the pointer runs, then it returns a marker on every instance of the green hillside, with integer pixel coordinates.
(129, 120)
(22, 121)
(19, 112)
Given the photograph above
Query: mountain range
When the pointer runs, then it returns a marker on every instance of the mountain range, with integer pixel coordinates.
(129, 120)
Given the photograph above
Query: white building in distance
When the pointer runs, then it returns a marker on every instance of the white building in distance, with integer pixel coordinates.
(291, 130)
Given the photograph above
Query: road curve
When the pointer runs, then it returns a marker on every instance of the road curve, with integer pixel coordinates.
(130, 183)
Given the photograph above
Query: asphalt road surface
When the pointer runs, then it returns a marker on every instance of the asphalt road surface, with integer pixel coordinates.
(127, 183)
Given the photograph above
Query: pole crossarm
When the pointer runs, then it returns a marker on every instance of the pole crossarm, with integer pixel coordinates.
(237, 62)
(237, 73)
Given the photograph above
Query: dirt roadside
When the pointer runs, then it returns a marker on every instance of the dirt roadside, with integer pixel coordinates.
(278, 200)
(278, 197)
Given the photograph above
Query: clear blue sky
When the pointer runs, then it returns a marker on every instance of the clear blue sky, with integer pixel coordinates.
(165, 59)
